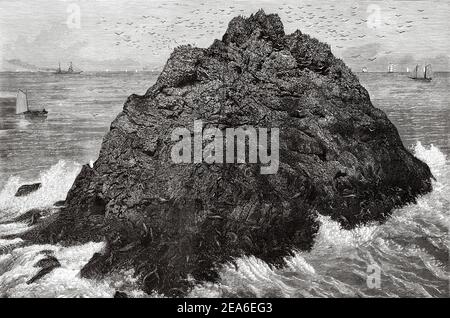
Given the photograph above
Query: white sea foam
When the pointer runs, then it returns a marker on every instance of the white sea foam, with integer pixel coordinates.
(432, 156)
(17, 267)
(13, 228)
(56, 182)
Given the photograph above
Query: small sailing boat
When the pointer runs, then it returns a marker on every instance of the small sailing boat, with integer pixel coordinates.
(391, 68)
(69, 71)
(23, 109)
(426, 76)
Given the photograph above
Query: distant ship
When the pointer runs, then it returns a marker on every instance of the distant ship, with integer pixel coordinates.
(391, 68)
(426, 75)
(23, 109)
(364, 70)
(69, 70)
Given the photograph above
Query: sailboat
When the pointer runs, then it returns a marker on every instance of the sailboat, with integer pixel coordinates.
(391, 68)
(427, 73)
(70, 70)
(22, 107)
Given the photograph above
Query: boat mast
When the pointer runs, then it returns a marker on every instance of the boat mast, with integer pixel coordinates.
(26, 99)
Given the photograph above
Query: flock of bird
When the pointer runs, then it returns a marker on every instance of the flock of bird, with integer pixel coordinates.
(340, 26)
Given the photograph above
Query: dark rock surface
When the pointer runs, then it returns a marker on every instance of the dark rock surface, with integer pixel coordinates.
(119, 294)
(26, 189)
(339, 156)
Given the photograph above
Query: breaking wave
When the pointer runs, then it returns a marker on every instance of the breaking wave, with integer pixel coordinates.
(56, 182)
(410, 252)
(17, 267)
(17, 262)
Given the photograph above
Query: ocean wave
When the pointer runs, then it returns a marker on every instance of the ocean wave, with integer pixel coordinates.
(56, 182)
(17, 267)
(432, 156)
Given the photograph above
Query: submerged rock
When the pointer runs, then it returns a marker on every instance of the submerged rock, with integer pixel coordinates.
(339, 156)
(47, 264)
(29, 217)
(59, 203)
(119, 294)
(34, 216)
(26, 189)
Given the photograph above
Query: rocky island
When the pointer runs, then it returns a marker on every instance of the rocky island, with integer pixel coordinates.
(175, 224)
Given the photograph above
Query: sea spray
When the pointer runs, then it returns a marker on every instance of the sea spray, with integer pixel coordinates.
(17, 267)
(56, 182)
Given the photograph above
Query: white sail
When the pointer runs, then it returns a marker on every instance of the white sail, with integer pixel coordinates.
(21, 102)
(415, 72)
(420, 71)
(428, 72)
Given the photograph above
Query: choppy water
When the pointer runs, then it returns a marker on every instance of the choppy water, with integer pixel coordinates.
(80, 110)
(411, 250)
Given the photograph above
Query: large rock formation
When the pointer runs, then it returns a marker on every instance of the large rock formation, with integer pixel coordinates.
(339, 156)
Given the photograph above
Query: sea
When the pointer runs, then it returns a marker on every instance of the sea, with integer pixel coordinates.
(407, 256)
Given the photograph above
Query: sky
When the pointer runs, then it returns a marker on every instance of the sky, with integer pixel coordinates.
(97, 35)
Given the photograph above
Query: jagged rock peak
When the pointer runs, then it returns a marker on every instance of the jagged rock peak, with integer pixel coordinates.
(240, 29)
